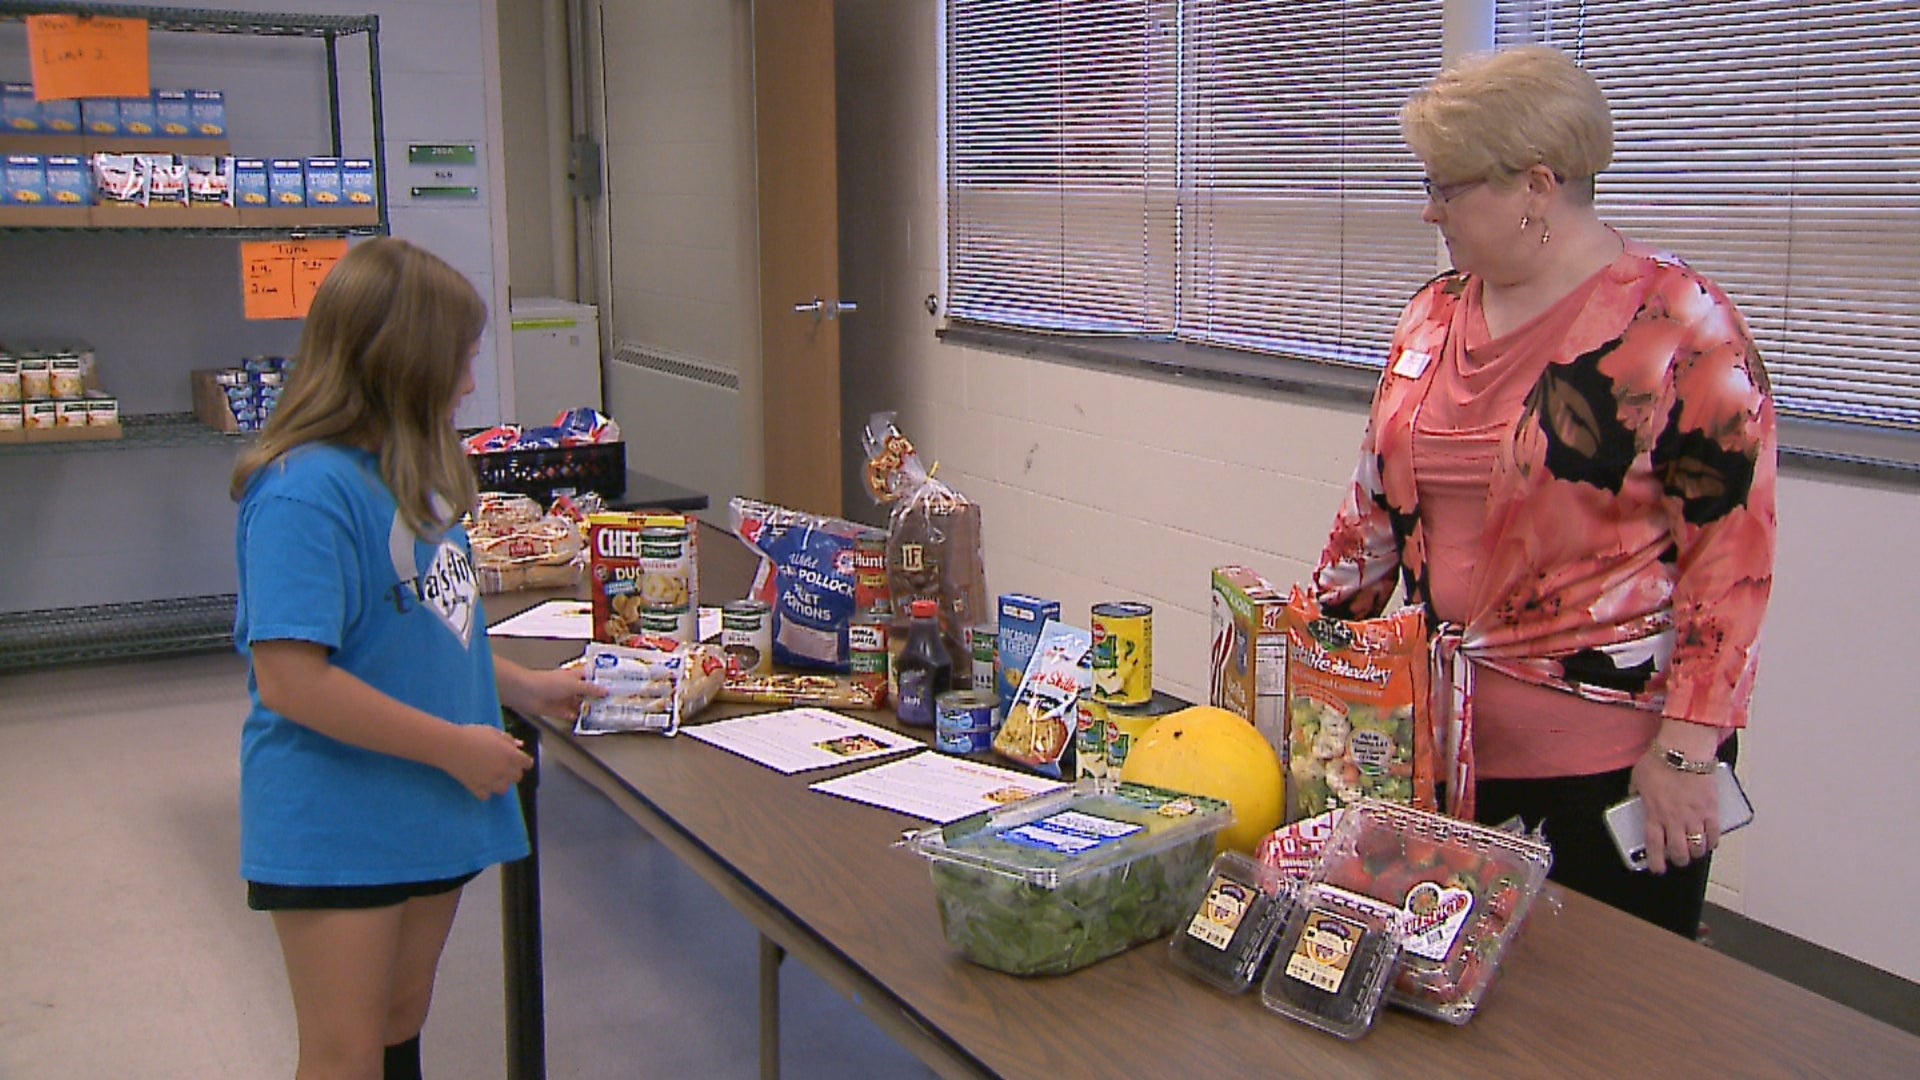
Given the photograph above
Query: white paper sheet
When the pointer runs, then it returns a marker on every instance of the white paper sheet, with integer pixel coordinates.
(795, 740)
(566, 620)
(572, 620)
(938, 787)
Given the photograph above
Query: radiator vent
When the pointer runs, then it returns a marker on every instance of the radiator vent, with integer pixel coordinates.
(685, 367)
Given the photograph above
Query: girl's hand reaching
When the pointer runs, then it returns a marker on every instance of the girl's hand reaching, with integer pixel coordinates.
(486, 760)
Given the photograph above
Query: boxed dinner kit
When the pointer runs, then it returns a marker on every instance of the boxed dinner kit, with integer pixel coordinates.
(1247, 664)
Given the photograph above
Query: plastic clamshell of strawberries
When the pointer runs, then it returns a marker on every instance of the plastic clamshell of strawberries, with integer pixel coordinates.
(1466, 889)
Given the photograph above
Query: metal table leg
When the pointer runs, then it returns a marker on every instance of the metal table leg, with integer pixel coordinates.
(520, 932)
(770, 957)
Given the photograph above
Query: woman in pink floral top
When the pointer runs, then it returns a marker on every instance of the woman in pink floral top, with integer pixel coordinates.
(1571, 460)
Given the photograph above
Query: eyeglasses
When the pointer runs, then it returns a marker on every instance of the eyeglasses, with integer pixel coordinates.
(1446, 193)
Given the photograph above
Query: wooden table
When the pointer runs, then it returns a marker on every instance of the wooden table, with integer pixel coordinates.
(1586, 990)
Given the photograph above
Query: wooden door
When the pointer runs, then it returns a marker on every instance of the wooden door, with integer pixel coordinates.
(794, 140)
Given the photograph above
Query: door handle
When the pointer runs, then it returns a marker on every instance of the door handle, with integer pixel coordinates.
(829, 309)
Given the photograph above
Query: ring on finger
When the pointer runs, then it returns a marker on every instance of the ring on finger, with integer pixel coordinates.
(1695, 839)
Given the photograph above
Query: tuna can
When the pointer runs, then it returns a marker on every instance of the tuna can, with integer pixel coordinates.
(868, 656)
(1090, 738)
(963, 721)
(746, 634)
(1123, 653)
(982, 644)
(679, 623)
(1126, 723)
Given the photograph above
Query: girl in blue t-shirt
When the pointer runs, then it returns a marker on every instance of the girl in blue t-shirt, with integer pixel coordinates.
(375, 777)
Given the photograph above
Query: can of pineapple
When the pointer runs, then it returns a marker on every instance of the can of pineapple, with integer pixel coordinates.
(1123, 652)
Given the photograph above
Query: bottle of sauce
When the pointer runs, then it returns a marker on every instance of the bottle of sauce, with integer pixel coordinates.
(925, 669)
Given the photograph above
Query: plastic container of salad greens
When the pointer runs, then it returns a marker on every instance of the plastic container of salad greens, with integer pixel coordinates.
(1058, 881)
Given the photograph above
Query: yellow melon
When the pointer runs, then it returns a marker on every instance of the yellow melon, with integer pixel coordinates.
(1204, 750)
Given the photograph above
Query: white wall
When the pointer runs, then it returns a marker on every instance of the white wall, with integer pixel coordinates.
(1099, 485)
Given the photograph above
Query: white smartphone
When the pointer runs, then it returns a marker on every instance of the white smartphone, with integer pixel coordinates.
(1627, 821)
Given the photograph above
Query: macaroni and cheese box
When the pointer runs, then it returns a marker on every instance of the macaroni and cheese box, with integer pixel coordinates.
(26, 181)
(137, 116)
(323, 182)
(250, 182)
(172, 113)
(67, 182)
(1021, 618)
(19, 113)
(209, 180)
(100, 116)
(60, 117)
(356, 182)
(286, 182)
(209, 109)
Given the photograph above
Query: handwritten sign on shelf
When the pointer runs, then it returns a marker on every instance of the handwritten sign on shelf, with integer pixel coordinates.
(81, 56)
(279, 277)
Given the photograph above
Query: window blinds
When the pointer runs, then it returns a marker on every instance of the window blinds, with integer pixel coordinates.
(1228, 172)
(1774, 145)
(1301, 231)
(1061, 174)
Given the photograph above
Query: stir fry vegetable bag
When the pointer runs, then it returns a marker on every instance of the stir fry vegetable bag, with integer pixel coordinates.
(934, 547)
(1359, 723)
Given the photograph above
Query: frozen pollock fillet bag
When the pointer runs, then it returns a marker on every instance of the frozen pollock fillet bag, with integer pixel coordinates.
(1359, 721)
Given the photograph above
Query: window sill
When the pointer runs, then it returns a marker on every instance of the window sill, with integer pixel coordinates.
(1811, 447)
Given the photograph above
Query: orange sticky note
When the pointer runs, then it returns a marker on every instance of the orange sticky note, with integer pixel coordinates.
(75, 56)
(279, 277)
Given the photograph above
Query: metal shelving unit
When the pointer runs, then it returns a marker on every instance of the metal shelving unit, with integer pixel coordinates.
(150, 431)
(189, 624)
(33, 639)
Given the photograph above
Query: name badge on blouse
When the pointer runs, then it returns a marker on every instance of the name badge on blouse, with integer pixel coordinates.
(1412, 363)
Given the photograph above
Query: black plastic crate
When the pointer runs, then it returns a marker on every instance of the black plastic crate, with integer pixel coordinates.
(541, 473)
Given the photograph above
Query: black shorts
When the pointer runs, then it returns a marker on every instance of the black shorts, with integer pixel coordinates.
(264, 897)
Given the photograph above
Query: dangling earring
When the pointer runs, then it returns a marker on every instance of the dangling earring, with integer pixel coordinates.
(1524, 222)
(1546, 232)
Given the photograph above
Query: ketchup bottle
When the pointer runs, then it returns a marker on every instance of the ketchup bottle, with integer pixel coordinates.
(925, 669)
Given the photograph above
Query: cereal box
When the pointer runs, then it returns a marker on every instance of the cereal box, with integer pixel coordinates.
(26, 181)
(1247, 664)
(286, 182)
(356, 182)
(209, 111)
(67, 181)
(12, 420)
(19, 113)
(172, 113)
(137, 117)
(1021, 618)
(103, 409)
(100, 116)
(249, 182)
(323, 182)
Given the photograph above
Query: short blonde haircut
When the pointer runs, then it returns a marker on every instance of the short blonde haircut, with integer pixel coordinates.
(382, 359)
(1499, 114)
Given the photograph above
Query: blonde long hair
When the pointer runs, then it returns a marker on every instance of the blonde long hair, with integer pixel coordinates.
(382, 358)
